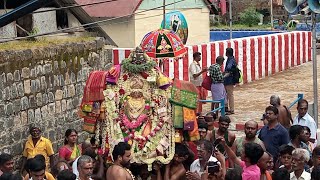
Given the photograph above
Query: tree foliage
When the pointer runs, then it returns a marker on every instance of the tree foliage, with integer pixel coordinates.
(250, 17)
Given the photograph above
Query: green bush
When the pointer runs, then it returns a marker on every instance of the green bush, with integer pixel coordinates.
(250, 17)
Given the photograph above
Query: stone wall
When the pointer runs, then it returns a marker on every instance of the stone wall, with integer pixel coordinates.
(44, 87)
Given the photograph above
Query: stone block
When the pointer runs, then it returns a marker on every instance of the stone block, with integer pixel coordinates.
(17, 120)
(17, 105)
(8, 123)
(69, 104)
(71, 90)
(44, 98)
(25, 73)
(76, 102)
(1, 95)
(79, 89)
(27, 86)
(2, 80)
(65, 92)
(37, 115)
(6, 93)
(20, 89)
(38, 85)
(33, 73)
(55, 66)
(63, 105)
(43, 83)
(63, 65)
(2, 110)
(58, 107)
(24, 118)
(32, 101)
(9, 109)
(58, 95)
(56, 81)
(33, 86)
(16, 75)
(50, 82)
(9, 78)
(44, 112)
(73, 78)
(17, 149)
(61, 80)
(16, 135)
(51, 97)
(79, 76)
(51, 108)
(14, 91)
(67, 80)
(24, 103)
(39, 70)
(39, 99)
(31, 116)
(47, 68)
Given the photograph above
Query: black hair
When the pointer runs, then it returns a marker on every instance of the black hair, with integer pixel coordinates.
(315, 174)
(253, 151)
(219, 59)
(273, 109)
(120, 149)
(40, 157)
(66, 175)
(67, 134)
(4, 157)
(56, 169)
(36, 165)
(316, 151)
(181, 150)
(207, 145)
(295, 131)
(233, 174)
(285, 149)
(301, 101)
(93, 140)
(11, 176)
(203, 125)
(281, 174)
(306, 128)
(33, 128)
(229, 52)
(90, 152)
(196, 54)
(224, 119)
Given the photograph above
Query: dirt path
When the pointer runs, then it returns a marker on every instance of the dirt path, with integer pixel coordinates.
(252, 99)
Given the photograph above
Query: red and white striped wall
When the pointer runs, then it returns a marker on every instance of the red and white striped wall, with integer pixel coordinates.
(257, 56)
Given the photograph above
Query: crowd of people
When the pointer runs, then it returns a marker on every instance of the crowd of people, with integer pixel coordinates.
(273, 152)
(285, 148)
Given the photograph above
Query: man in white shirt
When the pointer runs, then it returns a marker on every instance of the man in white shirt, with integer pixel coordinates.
(300, 158)
(195, 76)
(304, 119)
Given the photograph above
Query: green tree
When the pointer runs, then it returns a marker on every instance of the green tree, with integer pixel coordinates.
(250, 17)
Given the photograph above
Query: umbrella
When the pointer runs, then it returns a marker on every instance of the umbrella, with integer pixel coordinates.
(163, 44)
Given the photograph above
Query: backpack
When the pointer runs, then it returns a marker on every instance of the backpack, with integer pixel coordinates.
(236, 75)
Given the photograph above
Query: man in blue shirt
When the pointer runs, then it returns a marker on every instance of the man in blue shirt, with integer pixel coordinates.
(273, 134)
(229, 81)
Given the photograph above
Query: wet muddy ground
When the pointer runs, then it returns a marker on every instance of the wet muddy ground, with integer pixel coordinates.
(251, 99)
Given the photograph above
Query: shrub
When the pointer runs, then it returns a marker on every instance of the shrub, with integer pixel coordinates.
(250, 17)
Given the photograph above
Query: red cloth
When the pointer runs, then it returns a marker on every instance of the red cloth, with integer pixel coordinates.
(95, 85)
(193, 148)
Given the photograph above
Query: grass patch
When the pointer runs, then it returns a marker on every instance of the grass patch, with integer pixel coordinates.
(242, 27)
(42, 42)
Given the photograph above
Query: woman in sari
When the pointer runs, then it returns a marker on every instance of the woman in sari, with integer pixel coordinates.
(70, 151)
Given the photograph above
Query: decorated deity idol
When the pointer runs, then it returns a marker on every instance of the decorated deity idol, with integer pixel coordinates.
(137, 109)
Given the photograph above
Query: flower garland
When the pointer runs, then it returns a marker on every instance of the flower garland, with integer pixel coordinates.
(135, 123)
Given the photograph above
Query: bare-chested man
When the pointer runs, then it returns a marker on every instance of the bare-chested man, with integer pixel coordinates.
(175, 170)
(121, 156)
(284, 117)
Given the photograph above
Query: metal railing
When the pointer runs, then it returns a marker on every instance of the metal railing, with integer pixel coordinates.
(221, 106)
(300, 96)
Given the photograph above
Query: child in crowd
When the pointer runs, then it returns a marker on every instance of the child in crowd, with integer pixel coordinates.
(285, 156)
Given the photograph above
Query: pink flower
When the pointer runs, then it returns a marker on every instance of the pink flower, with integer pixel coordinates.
(125, 77)
(147, 107)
